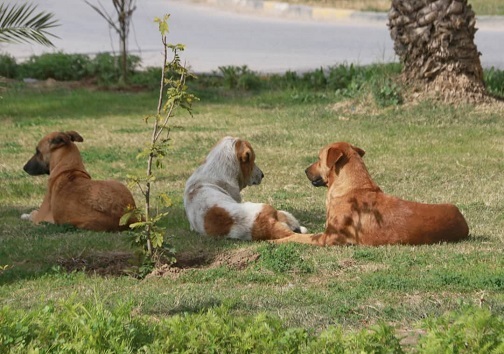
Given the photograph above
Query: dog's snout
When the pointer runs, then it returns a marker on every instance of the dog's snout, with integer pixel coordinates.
(262, 175)
(35, 168)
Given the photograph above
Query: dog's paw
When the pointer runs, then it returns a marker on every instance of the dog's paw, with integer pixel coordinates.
(303, 230)
(26, 217)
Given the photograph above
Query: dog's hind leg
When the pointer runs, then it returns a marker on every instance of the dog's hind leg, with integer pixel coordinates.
(271, 224)
(291, 222)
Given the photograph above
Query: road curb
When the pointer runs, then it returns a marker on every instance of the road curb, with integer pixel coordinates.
(317, 13)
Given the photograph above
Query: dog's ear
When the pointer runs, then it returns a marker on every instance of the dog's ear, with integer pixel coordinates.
(74, 136)
(333, 155)
(243, 151)
(245, 157)
(359, 150)
(59, 140)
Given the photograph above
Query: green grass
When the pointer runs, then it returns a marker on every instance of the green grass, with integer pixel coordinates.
(426, 152)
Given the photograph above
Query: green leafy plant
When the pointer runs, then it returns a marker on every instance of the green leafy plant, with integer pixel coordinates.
(471, 330)
(59, 66)
(494, 80)
(387, 93)
(104, 67)
(378, 338)
(230, 75)
(173, 84)
(8, 66)
(20, 23)
(97, 326)
(240, 77)
(316, 79)
(341, 76)
(148, 78)
(107, 68)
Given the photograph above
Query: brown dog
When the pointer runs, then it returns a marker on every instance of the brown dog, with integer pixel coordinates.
(72, 197)
(358, 212)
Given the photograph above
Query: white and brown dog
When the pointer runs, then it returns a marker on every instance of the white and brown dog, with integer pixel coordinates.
(72, 197)
(212, 197)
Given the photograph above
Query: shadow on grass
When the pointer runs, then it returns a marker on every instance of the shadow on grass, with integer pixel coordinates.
(31, 251)
(312, 219)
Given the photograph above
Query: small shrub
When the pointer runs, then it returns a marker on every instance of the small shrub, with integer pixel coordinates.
(72, 327)
(290, 80)
(377, 339)
(494, 80)
(8, 66)
(236, 77)
(59, 66)
(107, 67)
(340, 77)
(315, 80)
(151, 232)
(71, 67)
(230, 75)
(249, 81)
(148, 78)
(93, 326)
(218, 331)
(471, 330)
(386, 93)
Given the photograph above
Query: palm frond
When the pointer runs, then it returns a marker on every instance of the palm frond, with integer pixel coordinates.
(20, 24)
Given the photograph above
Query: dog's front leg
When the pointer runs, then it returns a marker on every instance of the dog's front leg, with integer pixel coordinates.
(44, 213)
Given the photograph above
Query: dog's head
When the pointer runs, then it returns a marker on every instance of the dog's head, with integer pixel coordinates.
(39, 163)
(249, 174)
(331, 159)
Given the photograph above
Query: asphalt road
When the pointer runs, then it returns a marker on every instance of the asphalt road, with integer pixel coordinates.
(217, 37)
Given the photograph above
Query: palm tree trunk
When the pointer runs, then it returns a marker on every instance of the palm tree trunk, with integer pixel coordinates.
(434, 40)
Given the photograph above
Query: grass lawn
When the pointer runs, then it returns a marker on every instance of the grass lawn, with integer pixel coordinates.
(426, 152)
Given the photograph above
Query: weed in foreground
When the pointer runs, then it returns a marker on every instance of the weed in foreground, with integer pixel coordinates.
(72, 326)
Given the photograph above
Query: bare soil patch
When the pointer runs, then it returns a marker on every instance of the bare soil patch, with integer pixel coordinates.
(121, 263)
(104, 264)
(234, 259)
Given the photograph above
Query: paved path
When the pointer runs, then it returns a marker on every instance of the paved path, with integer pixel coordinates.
(266, 40)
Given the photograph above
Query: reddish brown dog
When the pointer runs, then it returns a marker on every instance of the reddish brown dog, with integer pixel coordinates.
(358, 212)
(72, 197)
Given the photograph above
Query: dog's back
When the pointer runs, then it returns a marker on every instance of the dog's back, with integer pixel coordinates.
(212, 211)
(375, 218)
(92, 204)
